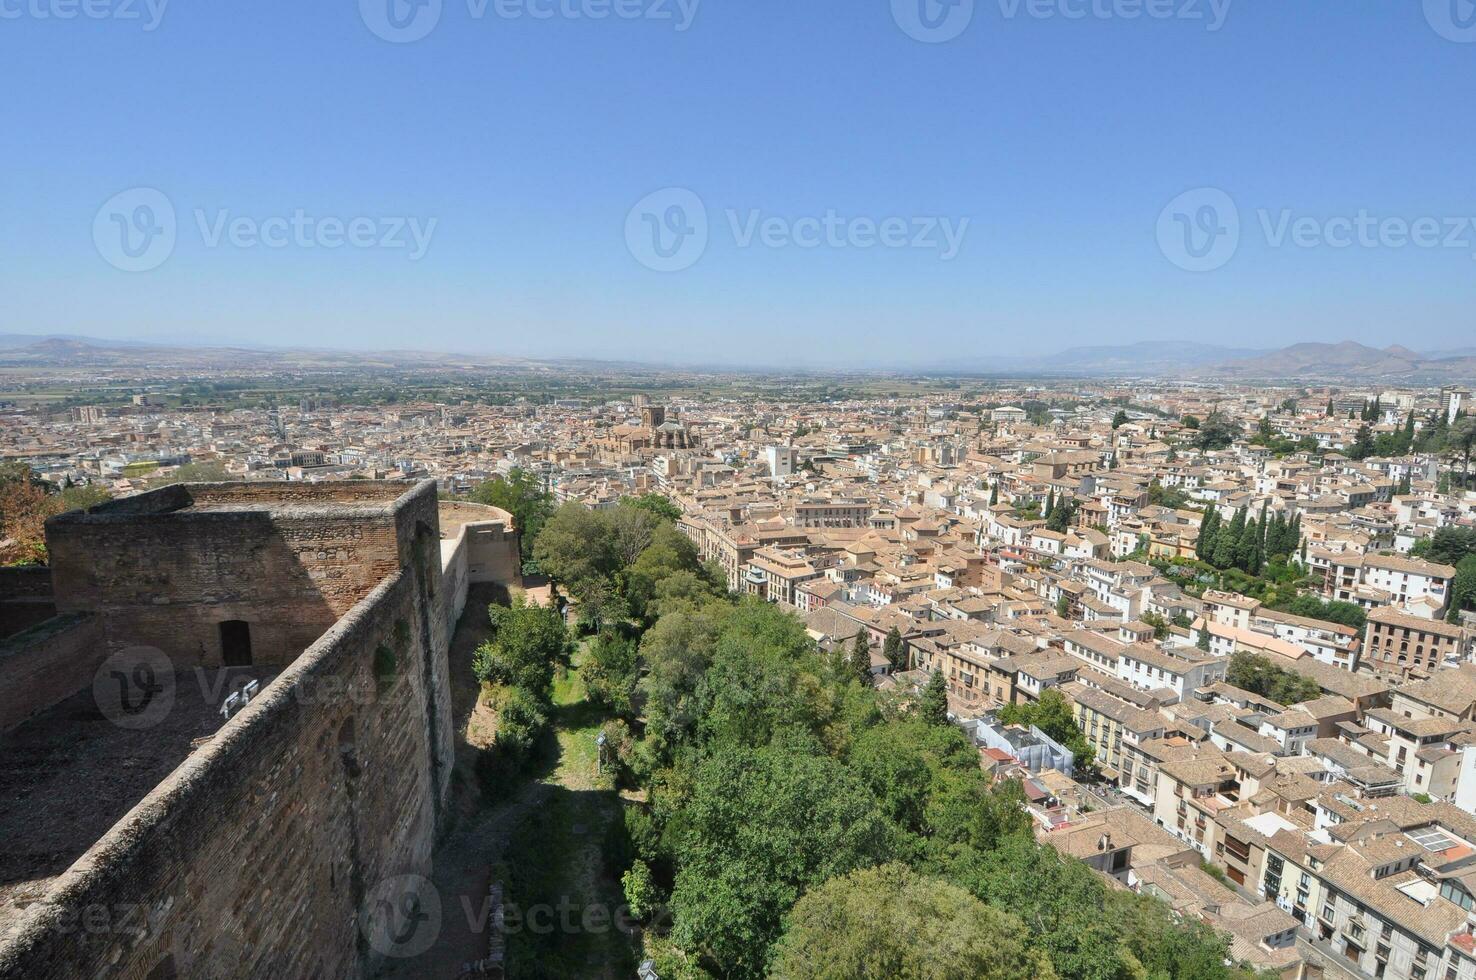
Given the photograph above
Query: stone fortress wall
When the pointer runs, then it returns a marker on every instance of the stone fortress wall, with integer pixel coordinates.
(287, 840)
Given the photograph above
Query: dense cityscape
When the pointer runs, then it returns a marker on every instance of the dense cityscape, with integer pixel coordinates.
(699, 490)
(1214, 641)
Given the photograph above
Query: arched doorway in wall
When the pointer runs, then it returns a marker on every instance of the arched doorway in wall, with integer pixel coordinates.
(235, 643)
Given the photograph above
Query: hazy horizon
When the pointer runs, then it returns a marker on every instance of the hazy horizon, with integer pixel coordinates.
(819, 185)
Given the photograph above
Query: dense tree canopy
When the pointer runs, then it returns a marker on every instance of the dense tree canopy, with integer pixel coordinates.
(892, 922)
(1259, 675)
(782, 794)
(762, 826)
(528, 642)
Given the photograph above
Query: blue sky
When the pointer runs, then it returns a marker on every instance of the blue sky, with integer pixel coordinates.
(519, 146)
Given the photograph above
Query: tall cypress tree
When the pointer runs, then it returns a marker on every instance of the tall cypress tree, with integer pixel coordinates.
(894, 650)
(1227, 541)
(861, 654)
(1209, 526)
(1245, 547)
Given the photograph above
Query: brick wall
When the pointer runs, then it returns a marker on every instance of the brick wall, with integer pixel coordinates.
(169, 579)
(47, 664)
(260, 855)
(256, 856)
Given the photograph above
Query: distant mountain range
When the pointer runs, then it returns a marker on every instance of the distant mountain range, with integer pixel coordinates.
(1347, 361)
(1149, 357)
(1350, 361)
(69, 351)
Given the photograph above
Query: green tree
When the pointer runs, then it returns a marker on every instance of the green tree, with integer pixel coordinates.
(1463, 588)
(761, 828)
(1254, 673)
(1061, 517)
(1216, 432)
(860, 659)
(642, 896)
(927, 780)
(1064, 900)
(1363, 444)
(521, 494)
(1447, 546)
(669, 555)
(577, 548)
(1120, 419)
(933, 708)
(1209, 526)
(631, 530)
(892, 922)
(659, 506)
(1460, 442)
(894, 649)
(610, 671)
(522, 719)
(528, 642)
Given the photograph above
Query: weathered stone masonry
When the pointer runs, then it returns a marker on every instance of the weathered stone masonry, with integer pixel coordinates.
(258, 856)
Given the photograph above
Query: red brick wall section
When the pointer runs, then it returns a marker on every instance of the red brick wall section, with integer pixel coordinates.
(168, 580)
(47, 664)
(254, 858)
